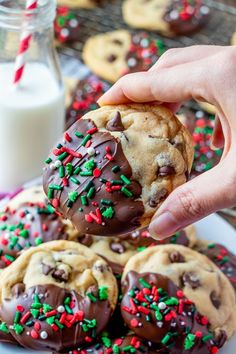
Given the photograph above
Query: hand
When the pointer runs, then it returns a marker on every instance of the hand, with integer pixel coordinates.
(206, 73)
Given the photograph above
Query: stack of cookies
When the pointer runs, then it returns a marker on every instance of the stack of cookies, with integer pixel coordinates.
(80, 272)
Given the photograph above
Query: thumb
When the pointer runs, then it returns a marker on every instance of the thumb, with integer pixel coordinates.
(194, 200)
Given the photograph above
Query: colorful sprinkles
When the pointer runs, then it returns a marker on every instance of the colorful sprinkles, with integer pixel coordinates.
(66, 25)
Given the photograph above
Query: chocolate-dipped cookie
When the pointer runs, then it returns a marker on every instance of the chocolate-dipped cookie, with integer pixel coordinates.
(223, 258)
(157, 310)
(172, 17)
(66, 25)
(113, 54)
(199, 279)
(57, 296)
(84, 98)
(95, 176)
(30, 225)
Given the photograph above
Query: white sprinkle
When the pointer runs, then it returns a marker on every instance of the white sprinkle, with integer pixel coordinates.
(162, 306)
(57, 163)
(29, 217)
(174, 15)
(65, 32)
(28, 333)
(52, 166)
(61, 309)
(199, 114)
(144, 43)
(43, 335)
(204, 10)
(91, 151)
(7, 235)
(132, 62)
(73, 23)
(160, 324)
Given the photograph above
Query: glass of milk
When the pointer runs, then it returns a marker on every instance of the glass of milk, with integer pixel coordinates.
(31, 113)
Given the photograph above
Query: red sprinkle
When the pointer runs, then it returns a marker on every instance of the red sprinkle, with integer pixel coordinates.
(97, 173)
(37, 326)
(134, 322)
(51, 313)
(55, 202)
(20, 308)
(65, 181)
(92, 131)
(25, 318)
(34, 334)
(67, 137)
(71, 152)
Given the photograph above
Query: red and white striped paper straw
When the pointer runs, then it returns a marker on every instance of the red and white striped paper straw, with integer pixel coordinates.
(24, 46)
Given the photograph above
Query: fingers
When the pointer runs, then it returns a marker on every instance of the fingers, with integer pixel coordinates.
(194, 200)
(177, 56)
(175, 84)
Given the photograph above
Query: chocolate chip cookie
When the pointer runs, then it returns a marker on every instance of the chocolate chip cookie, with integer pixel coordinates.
(57, 296)
(199, 279)
(95, 176)
(172, 17)
(88, 4)
(113, 54)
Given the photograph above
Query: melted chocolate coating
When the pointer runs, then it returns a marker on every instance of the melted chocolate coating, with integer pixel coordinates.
(95, 181)
(30, 225)
(143, 52)
(186, 18)
(67, 25)
(85, 97)
(168, 318)
(224, 259)
(58, 319)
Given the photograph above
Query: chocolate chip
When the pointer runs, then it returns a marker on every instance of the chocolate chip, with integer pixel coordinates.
(115, 124)
(60, 275)
(46, 268)
(221, 338)
(176, 257)
(117, 247)
(166, 171)
(191, 280)
(111, 58)
(215, 300)
(18, 289)
(157, 198)
(117, 41)
(86, 240)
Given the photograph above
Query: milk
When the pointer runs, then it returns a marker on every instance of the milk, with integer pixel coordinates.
(31, 120)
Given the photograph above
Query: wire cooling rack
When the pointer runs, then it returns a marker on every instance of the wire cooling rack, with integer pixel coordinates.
(108, 17)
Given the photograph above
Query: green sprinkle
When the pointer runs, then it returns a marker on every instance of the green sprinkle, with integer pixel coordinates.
(69, 204)
(189, 341)
(102, 180)
(86, 173)
(38, 241)
(86, 139)
(81, 210)
(67, 300)
(74, 180)
(84, 200)
(106, 202)
(10, 258)
(46, 308)
(172, 301)
(125, 179)
(79, 135)
(85, 328)
(116, 169)
(106, 341)
(69, 169)
(126, 192)
(49, 160)
(73, 196)
(18, 328)
(55, 187)
(77, 171)
(108, 213)
(4, 328)
(91, 297)
(88, 186)
(91, 192)
(158, 315)
(68, 309)
(62, 156)
(115, 349)
(62, 171)
(211, 245)
(50, 320)
(141, 248)
(144, 283)
(58, 324)
(117, 182)
(24, 233)
(35, 313)
(92, 323)
(166, 339)
(17, 317)
(207, 338)
(90, 164)
(103, 292)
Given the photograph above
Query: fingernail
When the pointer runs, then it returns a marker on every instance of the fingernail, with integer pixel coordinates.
(163, 226)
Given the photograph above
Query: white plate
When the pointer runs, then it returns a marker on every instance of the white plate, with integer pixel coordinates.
(212, 228)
